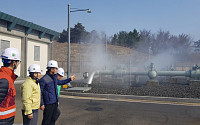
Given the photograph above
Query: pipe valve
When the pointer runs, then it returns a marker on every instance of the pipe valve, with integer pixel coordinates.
(85, 75)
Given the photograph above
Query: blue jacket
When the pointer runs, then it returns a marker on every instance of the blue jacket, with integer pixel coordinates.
(48, 86)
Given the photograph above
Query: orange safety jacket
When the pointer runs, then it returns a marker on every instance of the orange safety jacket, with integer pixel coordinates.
(8, 107)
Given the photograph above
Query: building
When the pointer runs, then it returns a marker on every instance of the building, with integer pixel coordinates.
(34, 42)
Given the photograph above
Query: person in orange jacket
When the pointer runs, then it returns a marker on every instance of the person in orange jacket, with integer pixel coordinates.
(11, 60)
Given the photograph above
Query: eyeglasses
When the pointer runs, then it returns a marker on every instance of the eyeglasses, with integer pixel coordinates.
(19, 61)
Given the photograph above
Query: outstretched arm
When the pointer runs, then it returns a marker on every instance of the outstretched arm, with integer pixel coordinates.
(62, 82)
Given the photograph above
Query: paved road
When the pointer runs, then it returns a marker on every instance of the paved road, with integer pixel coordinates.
(103, 111)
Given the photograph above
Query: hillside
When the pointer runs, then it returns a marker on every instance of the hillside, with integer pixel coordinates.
(84, 56)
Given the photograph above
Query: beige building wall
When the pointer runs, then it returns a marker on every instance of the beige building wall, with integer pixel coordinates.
(15, 42)
(43, 55)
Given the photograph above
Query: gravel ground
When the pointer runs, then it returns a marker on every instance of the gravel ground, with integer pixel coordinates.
(162, 90)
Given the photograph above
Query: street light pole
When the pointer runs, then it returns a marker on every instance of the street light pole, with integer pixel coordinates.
(149, 52)
(73, 10)
(106, 51)
(68, 63)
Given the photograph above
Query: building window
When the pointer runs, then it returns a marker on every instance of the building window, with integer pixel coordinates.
(36, 53)
(4, 44)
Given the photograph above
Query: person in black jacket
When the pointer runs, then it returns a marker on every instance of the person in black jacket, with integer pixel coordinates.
(49, 93)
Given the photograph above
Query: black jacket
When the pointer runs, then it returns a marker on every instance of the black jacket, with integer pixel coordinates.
(48, 86)
(4, 85)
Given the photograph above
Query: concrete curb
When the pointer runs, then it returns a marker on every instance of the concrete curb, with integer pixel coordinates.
(150, 98)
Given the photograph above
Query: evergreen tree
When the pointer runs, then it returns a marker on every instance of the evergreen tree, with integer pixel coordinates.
(78, 34)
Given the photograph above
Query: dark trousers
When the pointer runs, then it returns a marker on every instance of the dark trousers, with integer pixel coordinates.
(27, 121)
(8, 121)
(57, 114)
(49, 114)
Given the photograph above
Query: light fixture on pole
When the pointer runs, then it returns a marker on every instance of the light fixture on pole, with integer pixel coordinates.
(72, 10)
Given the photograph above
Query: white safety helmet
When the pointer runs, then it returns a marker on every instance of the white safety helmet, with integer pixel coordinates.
(61, 71)
(34, 68)
(52, 64)
(11, 54)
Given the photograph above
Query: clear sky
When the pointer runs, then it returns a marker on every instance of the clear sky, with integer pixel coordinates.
(111, 16)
